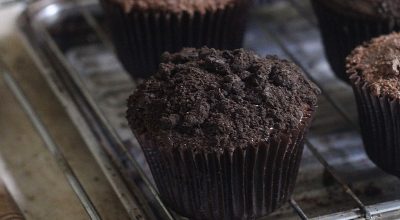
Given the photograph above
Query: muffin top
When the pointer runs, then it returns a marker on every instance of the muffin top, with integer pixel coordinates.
(385, 9)
(213, 100)
(175, 5)
(377, 63)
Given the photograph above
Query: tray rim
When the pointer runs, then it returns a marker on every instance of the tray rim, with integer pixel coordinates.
(26, 33)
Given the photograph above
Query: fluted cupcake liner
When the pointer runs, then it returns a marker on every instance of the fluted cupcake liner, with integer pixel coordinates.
(380, 126)
(341, 33)
(140, 37)
(231, 184)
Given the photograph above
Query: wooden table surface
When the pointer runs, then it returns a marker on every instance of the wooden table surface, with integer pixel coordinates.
(28, 170)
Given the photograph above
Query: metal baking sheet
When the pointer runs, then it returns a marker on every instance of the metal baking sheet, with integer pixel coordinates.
(69, 38)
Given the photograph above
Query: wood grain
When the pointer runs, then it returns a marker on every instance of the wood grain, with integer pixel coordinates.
(8, 208)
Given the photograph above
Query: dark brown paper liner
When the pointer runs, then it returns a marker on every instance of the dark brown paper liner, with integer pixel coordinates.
(140, 37)
(380, 126)
(342, 32)
(238, 184)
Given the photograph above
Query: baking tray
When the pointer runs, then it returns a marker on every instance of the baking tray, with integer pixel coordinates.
(69, 41)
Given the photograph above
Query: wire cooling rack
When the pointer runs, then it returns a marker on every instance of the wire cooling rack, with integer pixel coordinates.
(69, 41)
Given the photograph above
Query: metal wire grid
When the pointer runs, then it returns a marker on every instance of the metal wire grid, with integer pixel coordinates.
(52, 147)
(77, 100)
(363, 211)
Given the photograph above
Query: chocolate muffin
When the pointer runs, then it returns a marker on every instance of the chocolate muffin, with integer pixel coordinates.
(374, 71)
(143, 29)
(223, 131)
(346, 24)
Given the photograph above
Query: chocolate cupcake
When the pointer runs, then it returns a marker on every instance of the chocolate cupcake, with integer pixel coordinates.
(346, 24)
(223, 131)
(374, 71)
(143, 29)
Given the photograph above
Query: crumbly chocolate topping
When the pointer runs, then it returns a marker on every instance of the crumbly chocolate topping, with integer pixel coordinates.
(175, 6)
(377, 63)
(205, 98)
(385, 9)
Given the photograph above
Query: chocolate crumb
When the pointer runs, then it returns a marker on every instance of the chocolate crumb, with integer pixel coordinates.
(220, 99)
(377, 63)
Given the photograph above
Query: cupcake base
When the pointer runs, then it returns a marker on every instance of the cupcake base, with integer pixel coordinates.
(341, 33)
(380, 127)
(140, 37)
(231, 184)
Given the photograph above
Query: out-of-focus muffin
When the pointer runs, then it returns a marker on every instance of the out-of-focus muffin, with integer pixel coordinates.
(143, 29)
(346, 24)
(374, 71)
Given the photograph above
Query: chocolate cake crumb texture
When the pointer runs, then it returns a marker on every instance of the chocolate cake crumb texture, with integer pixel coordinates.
(209, 99)
(377, 63)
